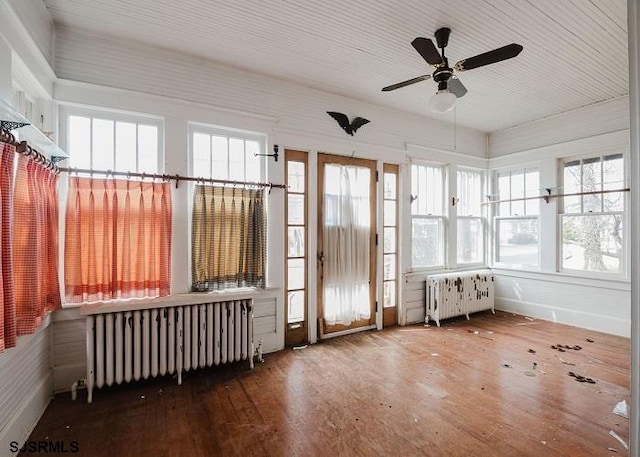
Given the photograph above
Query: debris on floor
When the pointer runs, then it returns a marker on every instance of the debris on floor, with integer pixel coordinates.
(612, 449)
(589, 340)
(434, 354)
(529, 318)
(531, 351)
(506, 365)
(621, 409)
(581, 378)
(297, 348)
(566, 362)
(563, 347)
(530, 373)
(616, 436)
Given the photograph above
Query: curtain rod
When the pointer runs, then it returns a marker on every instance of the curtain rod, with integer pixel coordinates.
(549, 196)
(166, 177)
(22, 147)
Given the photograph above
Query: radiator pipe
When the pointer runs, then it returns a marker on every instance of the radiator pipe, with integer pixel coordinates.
(79, 384)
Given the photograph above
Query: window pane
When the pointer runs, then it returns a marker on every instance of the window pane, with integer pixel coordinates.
(389, 266)
(295, 176)
(295, 209)
(390, 186)
(504, 193)
(613, 171)
(427, 243)
(517, 191)
(296, 242)
(126, 146)
(592, 181)
(532, 184)
(390, 213)
(469, 193)
(470, 241)
(253, 165)
(148, 148)
(427, 186)
(592, 243)
(295, 274)
(571, 186)
(236, 159)
(517, 242)
(389, 239)
(102, 144)
(296, 306)
(219, 157)
(389, 294)
(202, 155)
(80, 142)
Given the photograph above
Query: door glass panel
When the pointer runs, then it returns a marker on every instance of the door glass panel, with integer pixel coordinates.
(296, 242)
(296, 209)
(389, 294)
(295, 274)
(296, 306)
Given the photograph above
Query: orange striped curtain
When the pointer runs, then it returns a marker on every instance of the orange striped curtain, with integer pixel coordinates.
(35, 244)
(117, 239)
(7, 297)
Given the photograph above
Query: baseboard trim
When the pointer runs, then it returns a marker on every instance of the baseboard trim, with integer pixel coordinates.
(19, 428)
(576, 318)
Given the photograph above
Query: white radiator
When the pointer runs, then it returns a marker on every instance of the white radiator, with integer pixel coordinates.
(127, 346)
(459, 294)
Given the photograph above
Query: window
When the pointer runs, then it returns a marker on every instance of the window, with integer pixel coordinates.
(112, 141)
(228, 231)
(296, 256)
(220, 154)
(390, 243)
(470, 243)
(427, 216)
(516, 223)
(592, 224)
(117, 231)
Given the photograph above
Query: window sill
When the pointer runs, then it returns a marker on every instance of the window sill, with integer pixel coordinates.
(193, 298)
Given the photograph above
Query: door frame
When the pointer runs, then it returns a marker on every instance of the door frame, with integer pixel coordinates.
(363, 324)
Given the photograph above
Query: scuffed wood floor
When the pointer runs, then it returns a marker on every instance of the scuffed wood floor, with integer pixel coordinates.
(405, 391)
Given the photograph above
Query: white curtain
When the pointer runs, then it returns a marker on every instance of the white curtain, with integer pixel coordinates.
(346, 237)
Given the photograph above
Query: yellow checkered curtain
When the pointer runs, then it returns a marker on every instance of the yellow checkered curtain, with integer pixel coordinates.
(228, 242)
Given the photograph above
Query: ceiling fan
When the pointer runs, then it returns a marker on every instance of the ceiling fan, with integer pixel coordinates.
(449, 86)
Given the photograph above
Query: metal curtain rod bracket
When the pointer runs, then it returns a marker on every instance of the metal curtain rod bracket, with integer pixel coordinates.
(274, 155)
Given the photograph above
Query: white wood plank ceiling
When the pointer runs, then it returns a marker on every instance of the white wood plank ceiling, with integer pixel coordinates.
(575, 51)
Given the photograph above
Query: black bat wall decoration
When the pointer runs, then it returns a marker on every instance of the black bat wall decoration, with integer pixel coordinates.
(343, 121)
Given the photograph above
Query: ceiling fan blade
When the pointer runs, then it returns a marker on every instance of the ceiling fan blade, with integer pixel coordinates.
(427, 50)
(506, 52)
(408, 82)
(456, 87)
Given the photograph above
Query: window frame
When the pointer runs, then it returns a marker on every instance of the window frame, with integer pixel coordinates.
(68, 110)
(442, 218)
(481, 217)
(497, 217)
(623, 273)
(217, 130)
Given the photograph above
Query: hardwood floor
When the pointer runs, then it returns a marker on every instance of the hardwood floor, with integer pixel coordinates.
(466, 389)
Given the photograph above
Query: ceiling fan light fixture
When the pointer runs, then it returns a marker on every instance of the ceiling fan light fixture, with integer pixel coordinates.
(442, 101)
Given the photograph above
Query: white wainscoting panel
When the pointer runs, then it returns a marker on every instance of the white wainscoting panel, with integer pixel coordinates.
(600, 305)
(25, 386)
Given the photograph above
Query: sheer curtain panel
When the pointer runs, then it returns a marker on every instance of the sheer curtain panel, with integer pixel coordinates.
(7, 297)
(117, 239)
(228, 239)
(346, 236)
(35, 244)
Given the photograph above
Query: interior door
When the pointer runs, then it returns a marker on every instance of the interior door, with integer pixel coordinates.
(346, 244)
